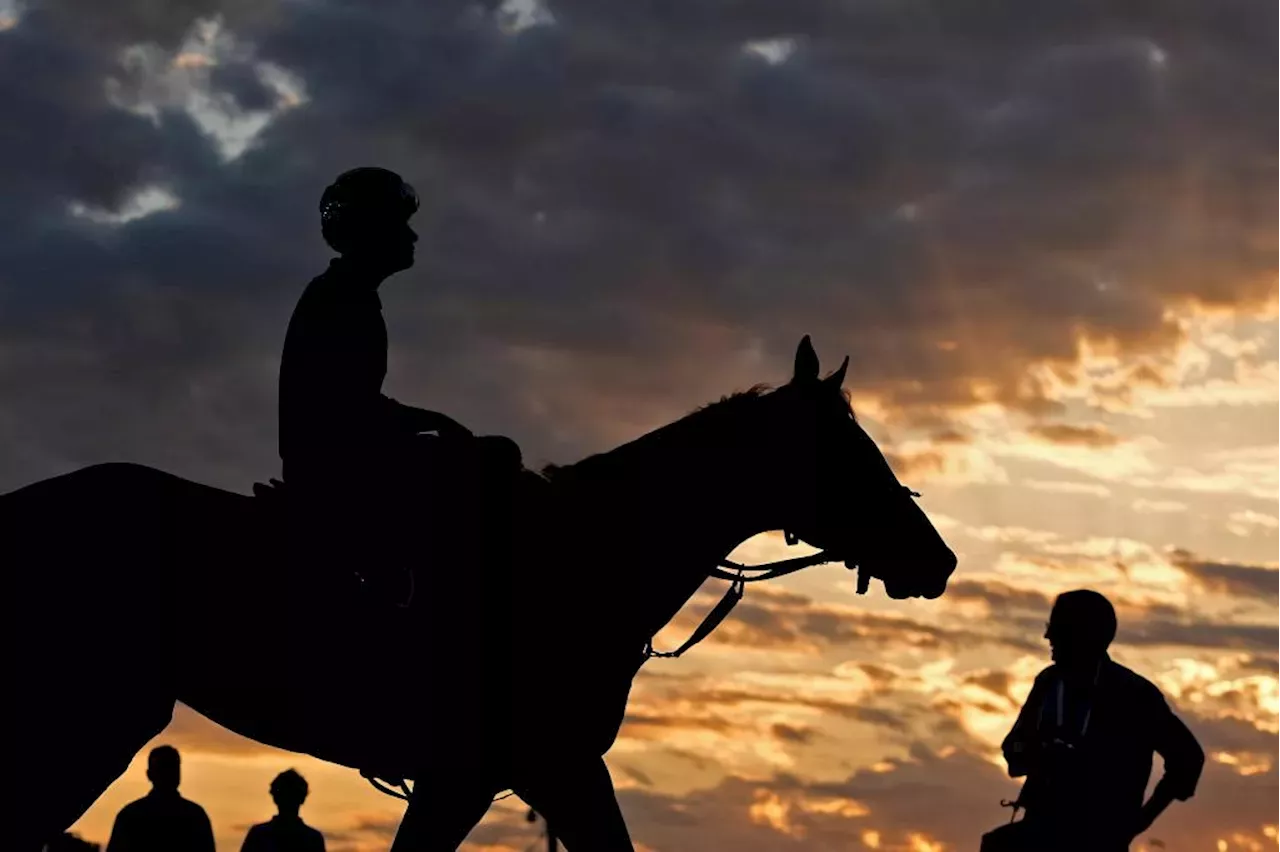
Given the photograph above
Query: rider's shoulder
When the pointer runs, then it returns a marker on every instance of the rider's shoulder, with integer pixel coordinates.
(327, 283)
(331, 292)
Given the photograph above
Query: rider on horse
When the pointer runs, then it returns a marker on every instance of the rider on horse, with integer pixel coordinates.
(351, 454)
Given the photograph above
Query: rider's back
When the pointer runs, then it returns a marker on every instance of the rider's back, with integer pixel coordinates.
(333, 417)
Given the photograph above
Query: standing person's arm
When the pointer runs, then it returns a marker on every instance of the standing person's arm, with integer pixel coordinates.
(204, 833)
(1183, 762)
(1022, 746)
(252, 840)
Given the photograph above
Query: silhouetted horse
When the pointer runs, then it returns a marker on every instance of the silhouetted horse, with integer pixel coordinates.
(148, 589)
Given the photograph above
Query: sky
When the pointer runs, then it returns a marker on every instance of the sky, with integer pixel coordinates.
(1044, 232)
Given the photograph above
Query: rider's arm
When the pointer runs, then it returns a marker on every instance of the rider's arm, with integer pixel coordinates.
(1183, 763)
(415, 420)
(1022, 747)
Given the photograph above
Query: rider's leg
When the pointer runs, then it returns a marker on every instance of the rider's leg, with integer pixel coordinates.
(576, 798)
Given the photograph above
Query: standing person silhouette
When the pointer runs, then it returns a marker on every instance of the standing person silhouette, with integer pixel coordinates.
(285, 832)
(1085, 740)
(162, 821)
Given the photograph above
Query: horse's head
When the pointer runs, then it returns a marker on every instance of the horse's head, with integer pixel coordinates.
(839, 493)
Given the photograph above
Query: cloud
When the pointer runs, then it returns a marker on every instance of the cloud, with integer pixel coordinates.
(1001, 597)
(798, 624)
(1158, 506)
(949, 797)
(1144, 619)
(1066, 433)
(1245, 581)
(766, 813)
(1248, 522)
(606, 226)
(1198, 633)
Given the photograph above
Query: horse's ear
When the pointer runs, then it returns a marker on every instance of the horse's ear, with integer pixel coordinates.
(837, 378)
(806, 362)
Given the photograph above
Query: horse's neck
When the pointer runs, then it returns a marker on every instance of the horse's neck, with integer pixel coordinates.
(662, 527)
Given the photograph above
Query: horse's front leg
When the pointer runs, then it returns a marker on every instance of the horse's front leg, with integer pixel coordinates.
(442, 811)
(576, 797)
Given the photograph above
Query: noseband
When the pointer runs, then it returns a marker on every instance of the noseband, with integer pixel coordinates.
(768, 571)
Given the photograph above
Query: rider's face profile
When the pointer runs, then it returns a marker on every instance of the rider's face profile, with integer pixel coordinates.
(386, 242)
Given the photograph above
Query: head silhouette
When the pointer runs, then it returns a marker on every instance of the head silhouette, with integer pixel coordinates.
(164, 769)
(844, 495)
(364, 216)
(1081, 627)
(289, 791)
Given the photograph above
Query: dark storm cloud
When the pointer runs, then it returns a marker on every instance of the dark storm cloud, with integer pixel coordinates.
(627, 214)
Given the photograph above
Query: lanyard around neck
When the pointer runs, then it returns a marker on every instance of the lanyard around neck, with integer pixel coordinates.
(1088, 713)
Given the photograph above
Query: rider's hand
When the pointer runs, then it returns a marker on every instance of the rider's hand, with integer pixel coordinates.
(434, 421)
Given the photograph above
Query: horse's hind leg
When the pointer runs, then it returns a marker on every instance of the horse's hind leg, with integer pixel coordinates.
(68, 747)
(444, 809)
(576, 796)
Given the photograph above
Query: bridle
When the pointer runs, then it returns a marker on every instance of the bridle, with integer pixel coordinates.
(738, 578)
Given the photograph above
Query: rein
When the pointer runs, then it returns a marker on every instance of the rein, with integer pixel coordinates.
(737, 589)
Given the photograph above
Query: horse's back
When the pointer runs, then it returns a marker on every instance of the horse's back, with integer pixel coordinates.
(106, 538)
(106, 489)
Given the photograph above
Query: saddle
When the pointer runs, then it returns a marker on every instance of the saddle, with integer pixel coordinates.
(450, 505)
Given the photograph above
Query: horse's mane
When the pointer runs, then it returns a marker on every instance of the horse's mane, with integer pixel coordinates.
(732, 405)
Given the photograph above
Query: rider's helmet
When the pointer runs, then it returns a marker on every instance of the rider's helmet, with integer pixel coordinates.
(361, 199)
